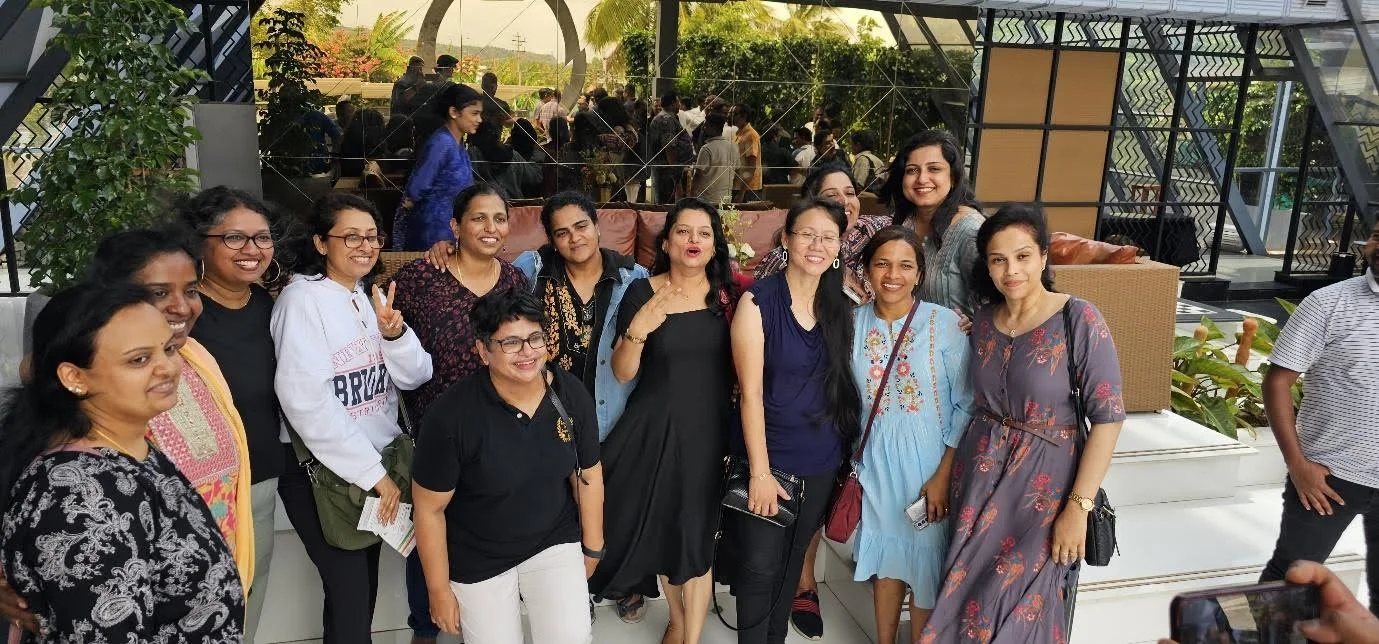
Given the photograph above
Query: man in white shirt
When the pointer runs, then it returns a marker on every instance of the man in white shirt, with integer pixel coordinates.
(1331, 446)
(804, 154)
(717, 164)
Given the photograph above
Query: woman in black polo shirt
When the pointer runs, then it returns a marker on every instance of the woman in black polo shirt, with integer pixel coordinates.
(508, 443)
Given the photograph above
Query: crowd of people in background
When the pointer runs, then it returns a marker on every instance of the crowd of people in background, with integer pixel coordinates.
(612, 147)
(560, 424)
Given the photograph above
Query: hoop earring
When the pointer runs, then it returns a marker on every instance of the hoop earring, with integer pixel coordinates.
(276, 276)
(784, 255)
(836, 263)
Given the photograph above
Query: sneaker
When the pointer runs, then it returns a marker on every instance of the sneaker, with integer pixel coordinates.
(805, 616)
(631, 609)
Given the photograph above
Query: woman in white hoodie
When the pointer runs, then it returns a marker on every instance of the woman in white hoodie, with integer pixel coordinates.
(342, 356)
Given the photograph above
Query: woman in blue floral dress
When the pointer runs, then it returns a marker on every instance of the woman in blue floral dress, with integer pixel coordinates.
(1022, 473)
(925, 405)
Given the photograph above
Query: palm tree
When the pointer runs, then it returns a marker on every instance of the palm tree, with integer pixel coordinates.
(811, 20)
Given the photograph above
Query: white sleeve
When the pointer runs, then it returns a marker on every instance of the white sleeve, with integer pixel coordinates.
(304, 382)
(408, 363)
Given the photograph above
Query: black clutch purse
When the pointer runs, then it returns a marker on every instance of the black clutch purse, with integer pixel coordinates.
(737, 476)
(1101, 521)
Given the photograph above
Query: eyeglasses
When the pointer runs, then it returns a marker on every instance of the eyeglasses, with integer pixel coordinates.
(514, 345)
(826, 240)
(237, 241)
(355, 241)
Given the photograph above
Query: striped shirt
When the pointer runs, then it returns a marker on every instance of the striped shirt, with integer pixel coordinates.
(1333, 337)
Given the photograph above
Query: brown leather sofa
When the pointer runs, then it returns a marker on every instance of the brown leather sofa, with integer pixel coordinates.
(630, 231)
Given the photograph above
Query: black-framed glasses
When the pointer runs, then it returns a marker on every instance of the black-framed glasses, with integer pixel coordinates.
(237, 241)
(826, 240)
(514, 345)
(355, 241)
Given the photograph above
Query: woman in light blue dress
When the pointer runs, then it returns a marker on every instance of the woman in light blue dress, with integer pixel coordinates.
(919, 420)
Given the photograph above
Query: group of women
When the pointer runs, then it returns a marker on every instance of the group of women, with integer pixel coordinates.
(138, 464)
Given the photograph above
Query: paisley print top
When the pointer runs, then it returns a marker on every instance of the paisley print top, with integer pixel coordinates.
(107, 549)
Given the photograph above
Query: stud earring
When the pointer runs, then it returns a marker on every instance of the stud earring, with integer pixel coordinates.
(78, 391)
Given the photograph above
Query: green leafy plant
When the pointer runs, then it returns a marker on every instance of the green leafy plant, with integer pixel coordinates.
(128, 105)
(285, 142)
(1212, 383)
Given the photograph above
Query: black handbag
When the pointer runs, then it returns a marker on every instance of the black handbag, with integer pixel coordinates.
(737, 477)
(1101, 521)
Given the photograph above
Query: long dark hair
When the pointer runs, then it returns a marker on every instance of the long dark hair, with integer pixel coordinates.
(895, 233)
(318, 222)
(201, 212)
(523, 138)
(959, 194)
(833, 310)
(723, 290)
(43, 411)
(1029, 217)
(120, 255)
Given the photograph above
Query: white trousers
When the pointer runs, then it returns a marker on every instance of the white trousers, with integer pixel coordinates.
(553, 586)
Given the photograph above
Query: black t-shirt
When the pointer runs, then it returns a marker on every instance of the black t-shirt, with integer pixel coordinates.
(509, 472)
(240, 342)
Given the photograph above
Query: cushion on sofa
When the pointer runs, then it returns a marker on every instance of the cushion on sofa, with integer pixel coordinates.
(761, 228)
(617, 230)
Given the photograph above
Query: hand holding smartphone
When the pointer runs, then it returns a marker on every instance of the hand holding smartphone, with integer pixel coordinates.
(1255, 614)
(918, 513)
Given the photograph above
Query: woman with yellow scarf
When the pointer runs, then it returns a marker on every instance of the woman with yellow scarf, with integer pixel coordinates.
(203, 434)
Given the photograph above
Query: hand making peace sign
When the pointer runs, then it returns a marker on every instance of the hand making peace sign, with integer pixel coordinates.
(389, 319)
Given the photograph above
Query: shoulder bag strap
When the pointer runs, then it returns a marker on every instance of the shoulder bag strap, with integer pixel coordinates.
(1070, 343)
(565, 417)
(885, 377)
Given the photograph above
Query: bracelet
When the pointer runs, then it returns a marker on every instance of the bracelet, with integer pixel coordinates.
(400, 333)
(591, 553)
(633, 338)
(761, 477)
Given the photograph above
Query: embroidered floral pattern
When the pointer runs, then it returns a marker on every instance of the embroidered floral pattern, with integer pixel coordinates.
(902, 393)
(567, 323)
(196, 437)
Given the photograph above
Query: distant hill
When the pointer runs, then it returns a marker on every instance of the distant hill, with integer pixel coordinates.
(484, 53)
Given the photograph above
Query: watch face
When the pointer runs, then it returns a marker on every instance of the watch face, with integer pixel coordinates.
(1086, 504)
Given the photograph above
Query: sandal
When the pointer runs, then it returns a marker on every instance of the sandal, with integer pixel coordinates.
(631, 609)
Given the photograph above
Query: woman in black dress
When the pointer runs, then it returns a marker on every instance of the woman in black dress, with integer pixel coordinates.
(663, 461)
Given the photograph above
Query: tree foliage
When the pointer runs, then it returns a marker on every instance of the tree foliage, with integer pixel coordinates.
(889, 91)
(285, 143)
(128, 104)
(374, 54)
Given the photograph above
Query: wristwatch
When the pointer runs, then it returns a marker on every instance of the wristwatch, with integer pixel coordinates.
(1083, 502)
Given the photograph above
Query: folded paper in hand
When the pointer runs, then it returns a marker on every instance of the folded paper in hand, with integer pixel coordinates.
(399, 534)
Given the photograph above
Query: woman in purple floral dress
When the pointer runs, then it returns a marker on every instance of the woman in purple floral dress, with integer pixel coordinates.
(1021, 473)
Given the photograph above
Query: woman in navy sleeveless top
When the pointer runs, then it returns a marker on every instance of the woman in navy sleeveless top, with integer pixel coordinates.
(792, 347)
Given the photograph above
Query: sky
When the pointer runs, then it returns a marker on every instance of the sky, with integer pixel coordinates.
(479, 23)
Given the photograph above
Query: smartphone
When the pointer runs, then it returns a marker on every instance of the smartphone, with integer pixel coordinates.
(919, 513)
(1256, 614)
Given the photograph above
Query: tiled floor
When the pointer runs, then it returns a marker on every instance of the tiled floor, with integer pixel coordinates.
(839, 627)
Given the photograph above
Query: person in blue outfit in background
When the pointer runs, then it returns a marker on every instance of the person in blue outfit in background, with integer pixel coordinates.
(441, 172)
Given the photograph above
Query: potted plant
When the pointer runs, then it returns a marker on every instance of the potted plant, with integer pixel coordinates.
(1212, 382)
(288, 140)
(127, 103)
